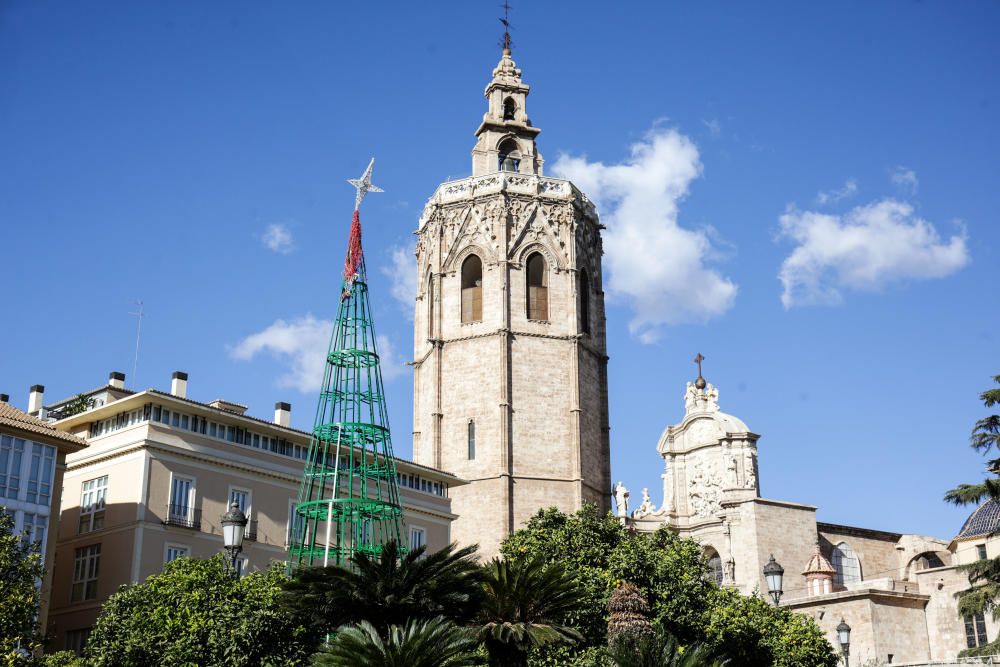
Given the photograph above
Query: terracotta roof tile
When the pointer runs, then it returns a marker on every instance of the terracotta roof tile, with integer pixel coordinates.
(11, 416)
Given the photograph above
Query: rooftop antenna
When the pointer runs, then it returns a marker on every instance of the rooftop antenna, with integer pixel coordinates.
(505, 42)
(138, 332)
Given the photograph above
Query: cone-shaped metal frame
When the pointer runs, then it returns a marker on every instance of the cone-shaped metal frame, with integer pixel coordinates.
(348, 501)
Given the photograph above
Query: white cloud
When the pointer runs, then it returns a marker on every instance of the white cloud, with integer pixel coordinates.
(656, 265)
(904, 178)
(403, 273)
(278, 237)
(301, 344)
(392, 365)
(833, 196)
(865, 250)
(714, 127)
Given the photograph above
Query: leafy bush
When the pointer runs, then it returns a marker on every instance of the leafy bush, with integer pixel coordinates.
(196, 613)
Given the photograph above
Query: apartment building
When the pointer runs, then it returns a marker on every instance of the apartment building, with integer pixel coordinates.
(32, 461)
(159, 473)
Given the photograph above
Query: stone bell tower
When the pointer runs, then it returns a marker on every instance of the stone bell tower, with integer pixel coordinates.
(510, 360)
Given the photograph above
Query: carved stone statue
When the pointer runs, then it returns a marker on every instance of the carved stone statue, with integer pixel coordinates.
(748, 469)
(621, 500)
(729, 575)
(690, 397)
(731, 481)
(646, 508)
(712, 397)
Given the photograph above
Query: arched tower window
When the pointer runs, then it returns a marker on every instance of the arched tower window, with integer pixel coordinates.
(846, 564)
(472, 440)
(430, 304)
(714, 566)
(584, 295)
(509, 109)
(510, 155)
(538, 290)
(472, 289)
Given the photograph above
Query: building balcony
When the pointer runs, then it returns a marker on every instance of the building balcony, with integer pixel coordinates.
(184, 516)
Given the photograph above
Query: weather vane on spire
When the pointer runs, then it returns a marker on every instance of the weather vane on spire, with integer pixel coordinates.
(506, 43)
(363, 185)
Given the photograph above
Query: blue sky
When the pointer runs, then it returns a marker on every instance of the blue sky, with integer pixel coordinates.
(193, 156)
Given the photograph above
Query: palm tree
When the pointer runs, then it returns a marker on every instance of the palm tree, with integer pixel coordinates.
(388, 589)
(525, 601)
(434, 642)
(661, 650)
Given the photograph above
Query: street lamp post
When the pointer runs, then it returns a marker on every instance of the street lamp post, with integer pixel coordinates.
(234, 524)
(773, 575)
(844, 637)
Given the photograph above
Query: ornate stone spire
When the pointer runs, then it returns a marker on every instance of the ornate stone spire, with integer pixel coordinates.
(506, 137)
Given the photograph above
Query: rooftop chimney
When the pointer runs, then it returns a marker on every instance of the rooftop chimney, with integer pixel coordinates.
(283, 414)
(4, 398)
(116, 379)
(35, 396)
(179, 384)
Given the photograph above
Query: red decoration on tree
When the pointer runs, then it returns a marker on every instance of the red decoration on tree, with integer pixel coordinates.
(353, 260)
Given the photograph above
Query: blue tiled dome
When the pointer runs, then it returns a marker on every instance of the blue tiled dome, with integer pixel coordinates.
(983, 521)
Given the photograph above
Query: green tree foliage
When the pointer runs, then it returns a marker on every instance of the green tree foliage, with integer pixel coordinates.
(983, 596)
(662, 650)
(750, 631)
(601, 554)
(525, 602)
(196, 613)
(387, 590)
(79, 404)
(435, 642)
(20, 570)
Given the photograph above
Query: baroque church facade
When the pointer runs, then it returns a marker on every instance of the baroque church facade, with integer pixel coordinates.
(510, 290)
(896, 591)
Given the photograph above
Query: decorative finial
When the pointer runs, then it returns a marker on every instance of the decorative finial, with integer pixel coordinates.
(700, 382)
(363, 185)
(506, 43)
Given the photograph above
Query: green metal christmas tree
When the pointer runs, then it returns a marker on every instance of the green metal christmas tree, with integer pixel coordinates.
(348, 501)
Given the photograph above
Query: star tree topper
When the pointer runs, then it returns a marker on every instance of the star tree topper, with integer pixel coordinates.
(363, 185)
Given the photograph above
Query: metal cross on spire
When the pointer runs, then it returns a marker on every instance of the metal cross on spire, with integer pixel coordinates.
(363, 185)
(506, 43)
(700, 382)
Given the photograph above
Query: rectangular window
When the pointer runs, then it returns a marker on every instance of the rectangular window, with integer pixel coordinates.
(86, 567)
(35, 526)
(175, 551)
(975, 631)
(175, 419)
(43, 464)
(92, 503)
(185, 421)
(418, 538)
(181, 498)
(156, 413)
(242, 498)
(77, 639)
(472, 440)
(981, 551)
(11, 456)
(296, 524)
